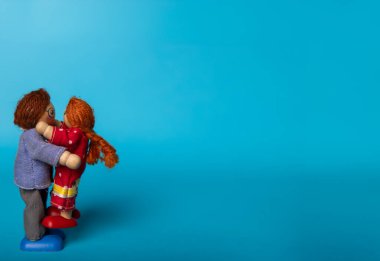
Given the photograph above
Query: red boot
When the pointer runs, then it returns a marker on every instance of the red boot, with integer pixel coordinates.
(53, 211)
(58, 222)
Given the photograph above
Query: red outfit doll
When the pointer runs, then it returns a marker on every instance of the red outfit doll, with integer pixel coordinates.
(66, 180)
(77, 135)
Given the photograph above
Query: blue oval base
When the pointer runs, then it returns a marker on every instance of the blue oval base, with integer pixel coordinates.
(49, 243)
(56, 232)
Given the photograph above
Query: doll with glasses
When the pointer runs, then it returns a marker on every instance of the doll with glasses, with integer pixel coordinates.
(77, 135)
(33, 169)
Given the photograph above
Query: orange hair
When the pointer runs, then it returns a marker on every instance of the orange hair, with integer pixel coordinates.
(80, 115)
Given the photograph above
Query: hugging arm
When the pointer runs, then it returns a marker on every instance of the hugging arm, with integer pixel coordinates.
(59, 136)
(51, 154)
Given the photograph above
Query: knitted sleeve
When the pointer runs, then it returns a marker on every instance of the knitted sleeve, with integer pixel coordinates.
(39, 149)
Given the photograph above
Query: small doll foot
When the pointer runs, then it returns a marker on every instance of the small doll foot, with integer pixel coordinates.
(58, 222)
(53, 211)
(48, 243)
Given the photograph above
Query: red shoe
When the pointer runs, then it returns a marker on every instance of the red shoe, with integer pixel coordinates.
(53, 211)
(58, 222)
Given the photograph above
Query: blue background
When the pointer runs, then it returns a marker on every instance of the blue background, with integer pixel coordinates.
(246, 130)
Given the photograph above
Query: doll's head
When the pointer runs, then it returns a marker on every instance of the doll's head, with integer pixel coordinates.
(79, 114)
(32, 108)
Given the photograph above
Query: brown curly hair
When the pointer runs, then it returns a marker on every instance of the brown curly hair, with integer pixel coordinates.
(31, 108)
(80, 115)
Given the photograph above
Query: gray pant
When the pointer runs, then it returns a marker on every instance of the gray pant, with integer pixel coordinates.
(34, 212)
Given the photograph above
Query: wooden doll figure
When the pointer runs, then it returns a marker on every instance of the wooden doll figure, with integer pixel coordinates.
(33, 168)
(77, 135)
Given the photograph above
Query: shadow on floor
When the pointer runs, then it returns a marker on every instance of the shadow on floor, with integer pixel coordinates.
(103, 216)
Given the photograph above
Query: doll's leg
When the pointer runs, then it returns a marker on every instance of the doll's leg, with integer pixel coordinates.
(44, 196)
(63, 197)
(66, 213)
(63, 219)
(54, 211)
(33, 214)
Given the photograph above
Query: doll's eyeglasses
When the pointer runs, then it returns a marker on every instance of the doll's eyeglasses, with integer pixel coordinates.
(51, 112)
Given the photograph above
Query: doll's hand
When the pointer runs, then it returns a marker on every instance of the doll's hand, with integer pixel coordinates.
(70, 160)
(44, 129)
(73, 162)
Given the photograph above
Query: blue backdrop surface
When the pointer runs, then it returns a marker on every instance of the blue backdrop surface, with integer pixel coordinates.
(246, 130)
